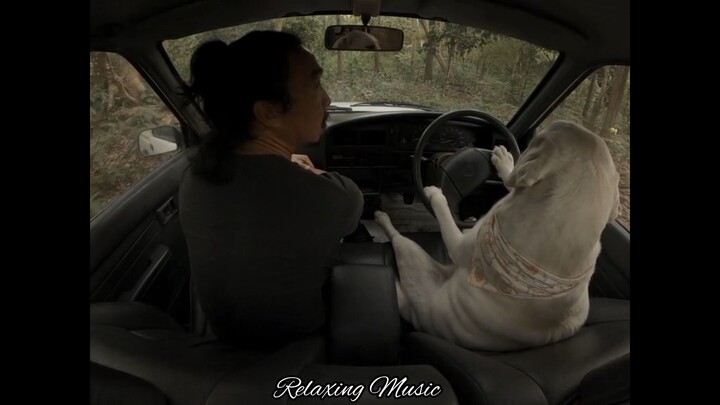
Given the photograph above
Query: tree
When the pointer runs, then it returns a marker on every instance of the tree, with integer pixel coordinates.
(527, 56)
(308, 30)
(590, 94)
(600, 99)
(116, 77)
(617, 90)
(413, 42)
(457, 40)
(460, 41)
(431, 39)
(339, 55)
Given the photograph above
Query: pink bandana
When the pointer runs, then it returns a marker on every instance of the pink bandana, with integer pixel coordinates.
(497, 267)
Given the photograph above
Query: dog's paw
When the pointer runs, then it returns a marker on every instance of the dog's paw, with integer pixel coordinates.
(382, 218)
(503, 161)
(433, 192)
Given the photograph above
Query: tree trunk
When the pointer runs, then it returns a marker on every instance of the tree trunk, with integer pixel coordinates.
(441, 60)
(413, 44)
(515, 69)
(426, 29)
(514, 77)
(111, 85)
(130, 81)
(339, 65)
(434, 46)
(339, 55)
(525, 65)
(526, 78)
(617, 90)
(449, 64)
(98, 85)
(589, 96)
(599, 100)
(430, 52)
(428, 65)
(625, 108)
(483, 68)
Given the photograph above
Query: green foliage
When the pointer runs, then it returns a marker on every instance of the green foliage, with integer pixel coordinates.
(572, 108)
(487, 71)
(115, 123)
(460, 40)
(473, 68)
(309, 30)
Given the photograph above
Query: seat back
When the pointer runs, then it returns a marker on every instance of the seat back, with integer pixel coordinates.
(142, 341)
(552, 374)
(108, 386)
(142, 344)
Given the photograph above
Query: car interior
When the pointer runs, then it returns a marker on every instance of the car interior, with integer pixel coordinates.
(149, 340)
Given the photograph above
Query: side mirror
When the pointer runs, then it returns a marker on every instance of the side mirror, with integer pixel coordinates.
(362, 38)
(159, 140)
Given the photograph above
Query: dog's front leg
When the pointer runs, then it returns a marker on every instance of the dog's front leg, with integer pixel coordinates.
(504, 164)
(451, 234)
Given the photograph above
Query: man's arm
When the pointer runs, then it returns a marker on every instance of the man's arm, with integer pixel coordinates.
(353, 200)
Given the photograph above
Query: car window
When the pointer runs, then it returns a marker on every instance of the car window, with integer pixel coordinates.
(122, 106)
(601, 103)
(442, 65)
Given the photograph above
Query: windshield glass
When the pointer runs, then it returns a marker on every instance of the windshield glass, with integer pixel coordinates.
(442, 66)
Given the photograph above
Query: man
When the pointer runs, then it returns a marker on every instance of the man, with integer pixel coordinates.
(261, 224)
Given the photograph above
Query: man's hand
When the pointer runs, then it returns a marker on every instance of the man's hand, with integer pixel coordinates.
(302, 160)
(305, 162)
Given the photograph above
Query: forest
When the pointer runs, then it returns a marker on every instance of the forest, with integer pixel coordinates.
(442, 65)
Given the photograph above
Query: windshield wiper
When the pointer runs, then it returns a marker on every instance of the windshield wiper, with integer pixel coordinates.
(335, 108)
(394, 104)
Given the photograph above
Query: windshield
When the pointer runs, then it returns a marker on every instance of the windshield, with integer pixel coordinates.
(442, 66)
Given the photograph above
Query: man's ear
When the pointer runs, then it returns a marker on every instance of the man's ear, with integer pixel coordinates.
(267, 113)
(534, 165)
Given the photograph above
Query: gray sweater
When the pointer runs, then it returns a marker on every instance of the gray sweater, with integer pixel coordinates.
(261, 246)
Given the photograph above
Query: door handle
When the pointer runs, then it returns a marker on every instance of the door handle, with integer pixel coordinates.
(167, 211)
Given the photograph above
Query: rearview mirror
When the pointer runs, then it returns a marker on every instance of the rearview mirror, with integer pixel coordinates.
(159, 140)
(362, 38)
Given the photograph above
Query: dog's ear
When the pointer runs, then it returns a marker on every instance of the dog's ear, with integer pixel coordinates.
(534, 165)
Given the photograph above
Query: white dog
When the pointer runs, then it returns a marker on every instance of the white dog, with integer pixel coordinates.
(357, 40)
(520, 276)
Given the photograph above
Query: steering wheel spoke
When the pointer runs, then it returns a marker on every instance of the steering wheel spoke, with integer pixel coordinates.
(466, 169)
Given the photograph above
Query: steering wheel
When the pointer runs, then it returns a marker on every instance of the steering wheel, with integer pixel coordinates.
(464, 170)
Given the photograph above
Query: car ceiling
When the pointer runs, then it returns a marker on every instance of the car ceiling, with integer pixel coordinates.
(597, 27)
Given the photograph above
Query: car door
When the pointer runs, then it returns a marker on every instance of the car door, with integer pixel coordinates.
(137, 248)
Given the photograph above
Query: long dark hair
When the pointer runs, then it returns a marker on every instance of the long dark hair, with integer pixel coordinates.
(227, 79)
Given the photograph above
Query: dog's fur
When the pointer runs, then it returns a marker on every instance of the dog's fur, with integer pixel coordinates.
(563, 191)
(357, 40)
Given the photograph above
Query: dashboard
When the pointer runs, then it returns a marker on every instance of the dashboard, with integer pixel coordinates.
(376, 150)
(404, 136)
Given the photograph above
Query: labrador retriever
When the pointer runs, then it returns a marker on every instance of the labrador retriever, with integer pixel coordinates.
(520, 276)
(357, 40)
